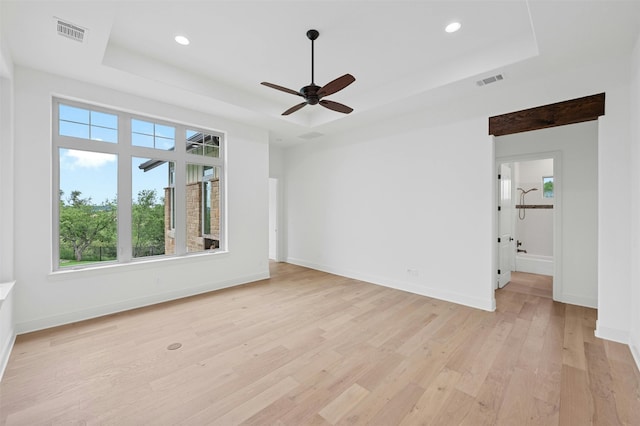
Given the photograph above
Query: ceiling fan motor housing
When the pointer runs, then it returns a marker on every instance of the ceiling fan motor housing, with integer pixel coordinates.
(310, 94)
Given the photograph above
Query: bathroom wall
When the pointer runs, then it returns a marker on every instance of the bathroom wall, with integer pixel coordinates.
(535, 231)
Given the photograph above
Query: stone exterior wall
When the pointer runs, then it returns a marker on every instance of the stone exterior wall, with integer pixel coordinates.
(169, 240)
(195, 240)
(215, 209)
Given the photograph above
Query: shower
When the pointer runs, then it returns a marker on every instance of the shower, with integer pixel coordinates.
(521, 211)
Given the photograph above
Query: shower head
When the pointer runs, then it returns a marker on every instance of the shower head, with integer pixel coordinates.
(524, 192)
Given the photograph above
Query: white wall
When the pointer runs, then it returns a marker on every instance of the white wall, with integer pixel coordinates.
(634, 340)
(614, 218)
(405, 210)
(6, 179)
(43, 299)
(7, 322)
(576, 187)
(276, 161)
(535, 231)
(417, 192)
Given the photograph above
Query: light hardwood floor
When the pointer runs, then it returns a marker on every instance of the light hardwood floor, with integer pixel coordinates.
(533, 284)
(306, 347)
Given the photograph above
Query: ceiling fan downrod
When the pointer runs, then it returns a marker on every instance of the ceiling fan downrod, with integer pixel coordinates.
(312, 35)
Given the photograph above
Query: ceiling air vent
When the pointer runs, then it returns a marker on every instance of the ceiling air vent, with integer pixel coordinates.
(311, 135)
(489, 80)
(71, 31)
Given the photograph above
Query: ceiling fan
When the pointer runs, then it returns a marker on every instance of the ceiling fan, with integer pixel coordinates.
(312, 93)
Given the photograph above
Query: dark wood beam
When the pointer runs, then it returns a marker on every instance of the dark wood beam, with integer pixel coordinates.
(558, 114)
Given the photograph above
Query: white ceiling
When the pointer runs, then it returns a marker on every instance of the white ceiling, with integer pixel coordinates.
(397, 50)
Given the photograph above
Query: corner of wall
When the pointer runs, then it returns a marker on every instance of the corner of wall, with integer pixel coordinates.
(5, 352)
(7, 327)
(6, 62)
(610, 333)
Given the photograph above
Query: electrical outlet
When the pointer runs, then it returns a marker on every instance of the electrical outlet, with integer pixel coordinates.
(412, 272)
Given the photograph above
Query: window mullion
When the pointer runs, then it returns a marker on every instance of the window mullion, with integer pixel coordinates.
(124, 189)
(55, 196)
(180, 192)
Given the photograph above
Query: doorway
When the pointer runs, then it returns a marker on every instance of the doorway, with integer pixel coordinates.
(527, 196)
(273, 219)
(574, 150)
(570, 130)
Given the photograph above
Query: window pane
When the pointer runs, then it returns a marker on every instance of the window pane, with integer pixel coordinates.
(165, 131)
(203, 144)
(144, 127)
(150, 215)
(104, 134)
(75, 130)
(152, 135)
(547, 187)
(87, 221)
(77, 115)
(102, 119)
(87, 124)
(138, 139)
(203, 208)
(164, 143)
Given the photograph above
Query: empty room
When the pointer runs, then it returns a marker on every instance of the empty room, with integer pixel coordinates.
(320, 212)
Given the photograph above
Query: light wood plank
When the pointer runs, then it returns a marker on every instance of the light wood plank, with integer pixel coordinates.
(307, 347)
(576, 407)
(337, 408)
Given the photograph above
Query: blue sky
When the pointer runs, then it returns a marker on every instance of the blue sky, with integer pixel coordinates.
(95, 175)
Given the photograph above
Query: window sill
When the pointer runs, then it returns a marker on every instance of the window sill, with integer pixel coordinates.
(134, 265)
(5, 289)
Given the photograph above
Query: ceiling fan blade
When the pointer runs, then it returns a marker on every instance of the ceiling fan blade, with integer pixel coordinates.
(336, 106)
(283, 89)
(336, 85)
(294, 108)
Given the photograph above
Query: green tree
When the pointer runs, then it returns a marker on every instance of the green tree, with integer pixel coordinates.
(82, 223)
(147, 223)
(547, 188)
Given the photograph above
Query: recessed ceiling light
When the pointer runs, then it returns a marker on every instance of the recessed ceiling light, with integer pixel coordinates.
(453, 27)
(182, 40)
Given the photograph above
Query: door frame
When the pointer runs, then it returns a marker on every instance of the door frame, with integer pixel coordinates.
(556, 156)
(275, 209)
(511, 259)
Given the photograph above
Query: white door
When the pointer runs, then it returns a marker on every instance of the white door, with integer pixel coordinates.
(505, 225)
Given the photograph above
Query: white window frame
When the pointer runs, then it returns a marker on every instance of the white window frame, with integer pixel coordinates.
(125, 152)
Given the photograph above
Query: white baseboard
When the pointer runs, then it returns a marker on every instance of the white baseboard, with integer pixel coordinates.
(436, 293)
(5, 353)
(98, 311)
(634, 345)
(7, 326)
(571, 299)
(532, 264)
(613, 334)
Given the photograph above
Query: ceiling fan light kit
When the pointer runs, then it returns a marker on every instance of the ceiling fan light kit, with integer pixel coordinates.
(314, 94)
